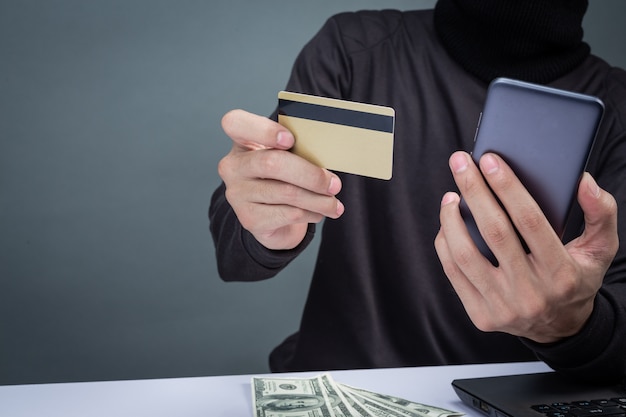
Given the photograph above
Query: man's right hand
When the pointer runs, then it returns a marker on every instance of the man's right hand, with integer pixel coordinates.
(274, 193)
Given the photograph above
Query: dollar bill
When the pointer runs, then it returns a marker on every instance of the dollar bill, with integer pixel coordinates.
(374, 407)
(321, 396)
(293, 397)
(410, 408)
(344, 407)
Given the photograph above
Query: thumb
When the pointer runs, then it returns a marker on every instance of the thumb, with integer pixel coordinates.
(600, 209)
(251, 131)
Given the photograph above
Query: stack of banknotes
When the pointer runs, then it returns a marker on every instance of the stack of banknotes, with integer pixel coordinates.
(321, 396)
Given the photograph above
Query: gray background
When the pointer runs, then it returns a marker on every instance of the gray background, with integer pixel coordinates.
(109, 142)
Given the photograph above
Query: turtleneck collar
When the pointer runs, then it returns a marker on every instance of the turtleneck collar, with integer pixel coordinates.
(531, 40)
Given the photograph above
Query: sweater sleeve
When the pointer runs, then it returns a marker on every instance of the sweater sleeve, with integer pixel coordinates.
(597, 352)
(240, 257)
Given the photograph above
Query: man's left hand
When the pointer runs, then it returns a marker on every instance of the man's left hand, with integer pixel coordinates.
(544, 295)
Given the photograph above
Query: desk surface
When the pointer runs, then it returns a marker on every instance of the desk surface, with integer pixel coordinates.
(230, 396)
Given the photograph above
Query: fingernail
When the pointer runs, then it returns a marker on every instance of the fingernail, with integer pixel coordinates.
(284, 139)
(340, 208)
(489, 164)
(593, 187)
(458, 162)
(448, 198)
(335, 185)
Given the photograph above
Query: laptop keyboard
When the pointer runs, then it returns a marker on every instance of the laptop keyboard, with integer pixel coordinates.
(605, 407)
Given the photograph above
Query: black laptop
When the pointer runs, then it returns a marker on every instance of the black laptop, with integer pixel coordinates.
(540, 395)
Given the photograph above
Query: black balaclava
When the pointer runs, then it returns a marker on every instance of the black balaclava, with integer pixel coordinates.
(531, 40)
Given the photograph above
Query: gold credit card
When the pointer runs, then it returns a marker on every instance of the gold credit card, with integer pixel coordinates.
(340, 135)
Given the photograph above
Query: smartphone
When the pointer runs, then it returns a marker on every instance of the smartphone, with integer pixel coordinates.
(545, 135)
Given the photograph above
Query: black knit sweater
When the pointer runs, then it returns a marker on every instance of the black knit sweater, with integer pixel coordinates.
(378, 296)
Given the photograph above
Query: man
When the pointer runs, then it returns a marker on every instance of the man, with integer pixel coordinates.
(382, 293)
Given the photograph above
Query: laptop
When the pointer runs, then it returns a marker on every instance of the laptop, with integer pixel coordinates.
(547, 394)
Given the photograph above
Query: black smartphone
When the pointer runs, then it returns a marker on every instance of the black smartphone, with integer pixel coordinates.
(545, 134)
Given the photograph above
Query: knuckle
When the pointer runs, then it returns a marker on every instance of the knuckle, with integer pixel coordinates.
(235, 199)
(269, 162)
(470, 188)
(229, 194)
(449, 268)
(500, 317)
(320, 180)
(290, 192)
(246, 223)
(531, 221)
(496, 231)
(464, 257)
(292, 215)
(439, 242)
(247, 220)
(534, 311)
(506, 321)
(567, 287)
(224, 167)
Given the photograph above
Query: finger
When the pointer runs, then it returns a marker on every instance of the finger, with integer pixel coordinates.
(268, 218)
(493, 222)
(284, 238)
(466, 269)
(524, 212)
(277, 193)
(276, 225)
(252, 131)
(286, 167)
(462, 262)
(273, 234)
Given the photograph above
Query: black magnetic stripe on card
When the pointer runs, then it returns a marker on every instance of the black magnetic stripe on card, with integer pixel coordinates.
(319, 113)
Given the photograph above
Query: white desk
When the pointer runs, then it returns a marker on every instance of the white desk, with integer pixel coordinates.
(229, 396)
